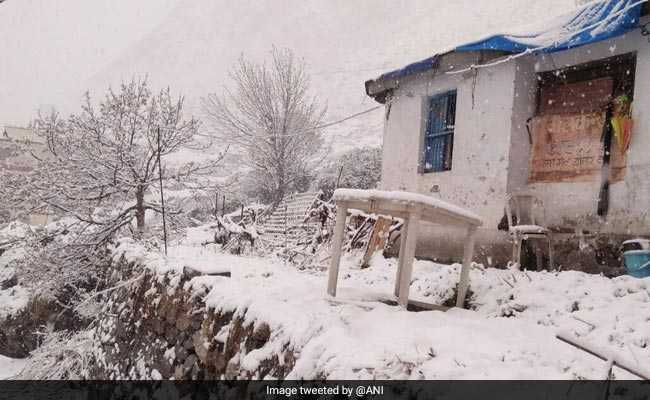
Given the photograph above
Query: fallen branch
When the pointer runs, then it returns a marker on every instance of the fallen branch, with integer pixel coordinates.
(506, 281)
(121, 285)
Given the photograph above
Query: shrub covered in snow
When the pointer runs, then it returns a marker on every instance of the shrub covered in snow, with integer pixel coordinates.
(62, 355)
(48, 279)
(358, 168)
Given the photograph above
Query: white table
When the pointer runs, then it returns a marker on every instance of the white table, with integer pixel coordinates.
(413, 208)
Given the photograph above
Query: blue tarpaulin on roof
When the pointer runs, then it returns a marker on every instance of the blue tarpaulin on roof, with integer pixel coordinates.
(596, 22)
(591, 23)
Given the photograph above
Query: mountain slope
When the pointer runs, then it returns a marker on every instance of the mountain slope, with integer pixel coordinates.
(49, 48)
(343, 42)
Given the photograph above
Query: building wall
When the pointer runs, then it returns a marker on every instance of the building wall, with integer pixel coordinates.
(479, 173)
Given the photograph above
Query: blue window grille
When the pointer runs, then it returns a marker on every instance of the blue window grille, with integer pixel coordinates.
(439, 134)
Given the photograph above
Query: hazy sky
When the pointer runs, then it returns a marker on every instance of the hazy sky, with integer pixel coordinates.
(49, 46)
(53, 50)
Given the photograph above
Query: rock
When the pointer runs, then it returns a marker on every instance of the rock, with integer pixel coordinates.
(178, 372)
(200, 348)
(232, 369)
(171, 333)
(181, 353)
(260, 336)
(183, 322)
(161, 307)
(170, 312)
(218, 360)
(195, 371)
(190, 361)
(158, 326)
(162, 366)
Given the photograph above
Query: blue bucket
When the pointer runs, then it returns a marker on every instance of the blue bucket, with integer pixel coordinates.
(637, 263)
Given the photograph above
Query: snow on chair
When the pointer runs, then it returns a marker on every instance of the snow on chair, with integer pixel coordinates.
(523, 211)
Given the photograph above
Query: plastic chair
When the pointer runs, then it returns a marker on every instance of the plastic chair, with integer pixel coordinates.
(526, 215)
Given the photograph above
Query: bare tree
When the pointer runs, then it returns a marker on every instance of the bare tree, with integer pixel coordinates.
(272, 120)
(103, 161)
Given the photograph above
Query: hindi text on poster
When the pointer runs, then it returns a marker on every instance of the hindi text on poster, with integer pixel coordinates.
(568, 148)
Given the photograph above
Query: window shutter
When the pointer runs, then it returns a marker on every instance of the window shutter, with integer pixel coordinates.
(438, 137)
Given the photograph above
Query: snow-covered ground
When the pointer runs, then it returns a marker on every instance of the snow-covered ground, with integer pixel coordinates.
(510, 334)
(10, 366)
(14, 298)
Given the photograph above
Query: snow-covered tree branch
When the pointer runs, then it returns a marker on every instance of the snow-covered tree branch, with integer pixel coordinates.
(102, 161)
(272, 120)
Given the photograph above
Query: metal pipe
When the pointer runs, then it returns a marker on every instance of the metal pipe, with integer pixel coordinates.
(616, 360)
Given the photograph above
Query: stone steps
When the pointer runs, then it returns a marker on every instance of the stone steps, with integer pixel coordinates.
(286, 225)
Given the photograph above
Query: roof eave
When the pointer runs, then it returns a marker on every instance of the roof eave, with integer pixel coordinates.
(379, 88)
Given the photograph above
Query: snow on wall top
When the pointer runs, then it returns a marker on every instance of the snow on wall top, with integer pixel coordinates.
(593, 22)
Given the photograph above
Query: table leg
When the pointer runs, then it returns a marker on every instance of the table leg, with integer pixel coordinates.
(400, 260)
(407, 260)
(468, 253)
(337, 244)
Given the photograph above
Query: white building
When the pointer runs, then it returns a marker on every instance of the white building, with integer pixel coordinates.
(525, 112)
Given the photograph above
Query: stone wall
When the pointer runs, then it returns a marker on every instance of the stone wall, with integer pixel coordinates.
(159, 327)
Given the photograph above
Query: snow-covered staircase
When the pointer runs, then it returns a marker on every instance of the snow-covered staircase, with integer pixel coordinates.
(286, 227)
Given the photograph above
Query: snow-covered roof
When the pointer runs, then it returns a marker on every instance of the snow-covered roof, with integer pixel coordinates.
(595, 21)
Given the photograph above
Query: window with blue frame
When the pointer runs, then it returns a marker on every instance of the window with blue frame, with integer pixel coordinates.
(439, 134)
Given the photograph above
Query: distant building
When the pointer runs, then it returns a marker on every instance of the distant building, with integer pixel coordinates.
(17, 149)
(526, 112)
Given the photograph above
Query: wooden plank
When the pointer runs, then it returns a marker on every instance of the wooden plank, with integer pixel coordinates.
(417, 306)
(576, 98)
(377, 239)
(337, 244)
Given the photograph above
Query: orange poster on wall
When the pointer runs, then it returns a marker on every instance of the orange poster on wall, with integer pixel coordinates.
(568, 148)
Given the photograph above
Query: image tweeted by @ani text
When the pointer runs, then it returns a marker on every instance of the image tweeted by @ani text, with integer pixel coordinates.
(348, 390)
